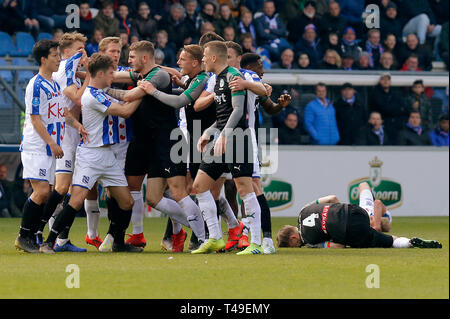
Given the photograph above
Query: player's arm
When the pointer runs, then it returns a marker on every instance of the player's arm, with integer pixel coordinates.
(123, 110)
(126, 95)
(238, 103)
(239, 84)
(205, 138)
(175, 101)
(72, 121)
(39, 127)
(74, 93)
(203, 101)
(125, 77)
(272, 108)
(171, 71)
(326, 244)
(328, 199)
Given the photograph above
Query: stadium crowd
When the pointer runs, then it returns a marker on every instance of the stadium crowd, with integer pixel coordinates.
(288, 34)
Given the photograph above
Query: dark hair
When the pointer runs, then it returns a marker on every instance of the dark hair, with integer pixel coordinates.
(443, 117)
(418, 82)
(321, 84)
(413, 111)
(208, 37)
(42, 49)
(99, 62)
(235, 46)
(249, 59)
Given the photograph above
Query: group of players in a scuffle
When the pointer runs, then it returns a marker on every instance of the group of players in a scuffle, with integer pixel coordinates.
(127, 133)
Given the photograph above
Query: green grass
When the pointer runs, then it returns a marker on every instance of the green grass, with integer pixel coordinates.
(290, 273)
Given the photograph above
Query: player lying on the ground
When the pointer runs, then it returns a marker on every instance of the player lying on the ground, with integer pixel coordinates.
(380, 217)
(329, 223)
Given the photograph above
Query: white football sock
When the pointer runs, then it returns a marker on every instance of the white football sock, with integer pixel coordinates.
(92, 217)
(194, 216)
(61, 242)
(209, 210)
(253, 212)
(246, 226)
(227, 213)
(138, 212)
(401, 242)
(173, 210)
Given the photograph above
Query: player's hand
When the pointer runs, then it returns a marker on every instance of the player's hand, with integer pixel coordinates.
(284, 100)
(268, 89)
(56, 150)
(146, 86)
(202, 141)
(219, 147)
(84, 134)
(237, 84)
(177, 81)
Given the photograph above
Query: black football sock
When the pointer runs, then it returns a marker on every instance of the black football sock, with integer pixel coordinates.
(49, 208)
(125, 218)
(112, 206)
(266, 223)
(120, 219)
(29, 218)
(169, 229)
(64, 219)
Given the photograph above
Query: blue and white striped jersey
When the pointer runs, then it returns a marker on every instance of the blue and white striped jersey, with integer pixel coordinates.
(42, 98)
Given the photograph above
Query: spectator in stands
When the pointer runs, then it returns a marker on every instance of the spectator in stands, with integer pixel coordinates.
(124, 37)
(387, 62)
(192, 21)
(412, 47)
(289, 133)
(255, 5)
(348, 62)
(299, 22)
(271, 31)
(57, 34)
(208, 13)
(332, 21)
(286, 62)
(350, 115)
(374, 47)
(247, 41)
(246, 25)
(158, 8)
(439, 136)
(162, 40)
(373, 133)
(123, 15)
(92, 46)
(144, 25)
(443, 44)
(440, 10)
(206, 27)
(5, 193)
(413, 133)
(391, 45)
(350, 45)
(320, 119)
(225, 19)
(175, 26)
(310, 44)
(332, 43)
(411, 64)
(229, 34)
(331, 61)
(420, 19)
(303, 61)
(390, 22)
(44, 15)
(106, 20)
(87, 24)
(159, 57)
(364, 62)
(390, 103)
(351, 11)
(418, 101)
(134, 37)
(19, 15)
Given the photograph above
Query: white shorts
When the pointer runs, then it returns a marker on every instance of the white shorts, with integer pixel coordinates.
(226, 175)
(39, 167)
(97, 164)
(66, 164)
(366, 201)
(120, 152)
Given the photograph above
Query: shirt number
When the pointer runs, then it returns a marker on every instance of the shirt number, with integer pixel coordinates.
(310, 221)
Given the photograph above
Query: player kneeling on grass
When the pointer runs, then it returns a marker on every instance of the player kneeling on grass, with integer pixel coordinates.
(327, 223)
(96, 160)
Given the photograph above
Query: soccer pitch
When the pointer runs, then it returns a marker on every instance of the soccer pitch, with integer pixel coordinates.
(291, 273)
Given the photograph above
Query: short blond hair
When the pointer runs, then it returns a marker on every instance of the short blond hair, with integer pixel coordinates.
(284, 234)
(218, 48)
(143, 46)
(103, 45)
(68, 38)
(386, 226)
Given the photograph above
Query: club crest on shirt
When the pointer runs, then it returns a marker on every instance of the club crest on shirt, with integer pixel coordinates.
(221, 83)
(69, 73)
(35, 101)
(42, 172)
(100, 98)
(85, 179)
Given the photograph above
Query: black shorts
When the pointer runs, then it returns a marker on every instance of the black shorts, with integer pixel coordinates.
(153, 156)
(238, 159)
(359, 234)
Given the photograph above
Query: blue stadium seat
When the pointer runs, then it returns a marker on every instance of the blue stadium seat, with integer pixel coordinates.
(5, 99)
(25, 43)
(5, 74)
(23, 75)
(6, 45)
(44, 35)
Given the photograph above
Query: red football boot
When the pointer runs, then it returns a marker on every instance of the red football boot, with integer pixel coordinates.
(136, 240)
(178, 241)
(234, 234)
(97, 241)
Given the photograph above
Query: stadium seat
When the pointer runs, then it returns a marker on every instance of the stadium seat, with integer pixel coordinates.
(6, 74)
(5, 99)
(44, 35)
(7, 46)
(25, 43)
(23, 75)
